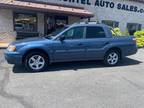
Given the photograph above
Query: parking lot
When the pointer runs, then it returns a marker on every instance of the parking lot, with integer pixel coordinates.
(74, 85)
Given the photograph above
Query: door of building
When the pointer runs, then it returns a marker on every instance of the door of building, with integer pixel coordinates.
(54, 22)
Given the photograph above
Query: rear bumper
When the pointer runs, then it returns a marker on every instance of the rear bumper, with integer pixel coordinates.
(130, 50)
(13, 58)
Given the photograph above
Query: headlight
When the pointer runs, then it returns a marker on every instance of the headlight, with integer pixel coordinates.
(11, 48)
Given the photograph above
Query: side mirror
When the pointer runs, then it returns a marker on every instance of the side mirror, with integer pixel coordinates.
(62, 38)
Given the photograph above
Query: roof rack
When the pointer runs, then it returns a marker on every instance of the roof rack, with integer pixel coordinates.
(87, 22)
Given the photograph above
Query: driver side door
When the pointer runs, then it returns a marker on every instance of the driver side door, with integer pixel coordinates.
(72, 48)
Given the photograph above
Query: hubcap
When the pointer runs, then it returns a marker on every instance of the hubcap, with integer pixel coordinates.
(36, 62)
(113, 58)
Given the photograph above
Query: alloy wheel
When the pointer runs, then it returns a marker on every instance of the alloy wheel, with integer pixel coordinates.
(112, 58)
(36, 62)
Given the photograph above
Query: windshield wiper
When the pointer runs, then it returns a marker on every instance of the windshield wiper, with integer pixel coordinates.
(48, 37)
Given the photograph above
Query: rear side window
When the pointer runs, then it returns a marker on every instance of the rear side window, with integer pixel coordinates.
(95, 32)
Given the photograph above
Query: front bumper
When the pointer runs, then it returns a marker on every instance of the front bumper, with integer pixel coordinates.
(13, 57)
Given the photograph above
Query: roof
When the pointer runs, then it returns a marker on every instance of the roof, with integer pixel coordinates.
(100, 25)
(78, 24)
(45, 8)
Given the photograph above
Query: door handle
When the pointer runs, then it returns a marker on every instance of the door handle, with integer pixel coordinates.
(107, 43)
(80, 44)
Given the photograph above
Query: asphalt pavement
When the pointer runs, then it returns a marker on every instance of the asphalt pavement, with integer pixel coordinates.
(74, 85)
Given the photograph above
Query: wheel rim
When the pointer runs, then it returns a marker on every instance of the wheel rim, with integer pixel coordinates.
(36, 62)
(112, 58)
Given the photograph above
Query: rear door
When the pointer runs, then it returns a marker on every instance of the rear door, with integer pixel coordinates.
(96, 40)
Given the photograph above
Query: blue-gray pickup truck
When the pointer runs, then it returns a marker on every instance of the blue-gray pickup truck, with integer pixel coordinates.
(77, 42)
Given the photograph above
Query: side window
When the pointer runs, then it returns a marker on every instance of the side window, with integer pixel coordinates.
(95, 32)
(74, 33)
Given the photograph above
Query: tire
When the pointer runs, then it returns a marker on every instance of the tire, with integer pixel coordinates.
(36, 62)
(112, 58)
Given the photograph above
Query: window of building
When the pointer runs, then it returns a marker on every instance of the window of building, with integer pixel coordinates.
(53, 23)
(95, 32)
(111, 23)
(25, 22)
(133, 27)
(74, 33)
(61, 20)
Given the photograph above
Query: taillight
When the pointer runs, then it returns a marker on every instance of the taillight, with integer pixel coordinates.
(134, 40)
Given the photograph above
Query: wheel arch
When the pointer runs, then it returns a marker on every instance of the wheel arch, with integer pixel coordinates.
(35, 50)
(115, 49)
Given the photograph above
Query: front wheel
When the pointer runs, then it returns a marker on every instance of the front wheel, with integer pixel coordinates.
(36, 62)
(112, 58)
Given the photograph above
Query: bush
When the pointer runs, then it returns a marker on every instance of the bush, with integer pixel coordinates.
(140, 42)
(139, 35)
(116, 32)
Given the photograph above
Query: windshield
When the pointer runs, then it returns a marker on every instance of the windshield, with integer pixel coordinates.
(56, 32)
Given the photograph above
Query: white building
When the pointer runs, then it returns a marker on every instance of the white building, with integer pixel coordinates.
(34, 17)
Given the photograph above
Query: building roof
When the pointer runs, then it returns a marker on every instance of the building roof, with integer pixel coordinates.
(45, 8)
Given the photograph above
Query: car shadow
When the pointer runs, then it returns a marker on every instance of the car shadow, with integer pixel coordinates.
(77, 65)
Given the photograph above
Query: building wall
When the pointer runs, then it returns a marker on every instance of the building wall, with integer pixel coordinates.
(101, 13)
(73, 19)
(7, 33)
(106, 12)
(40, 24)
(7, 28)
(6, 20)
(40, 18)
(122, 16)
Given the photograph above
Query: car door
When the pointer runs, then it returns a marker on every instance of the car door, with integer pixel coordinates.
(72, 48)
(95, 42)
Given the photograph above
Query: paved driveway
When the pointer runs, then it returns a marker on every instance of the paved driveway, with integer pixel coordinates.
(74, 85)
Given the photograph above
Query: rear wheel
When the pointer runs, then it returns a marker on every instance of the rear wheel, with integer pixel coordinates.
(112, 58)
(36, 61)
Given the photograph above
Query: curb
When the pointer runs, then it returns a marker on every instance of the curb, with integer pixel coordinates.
(2, 48)
(3, 45)
(141, 48)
